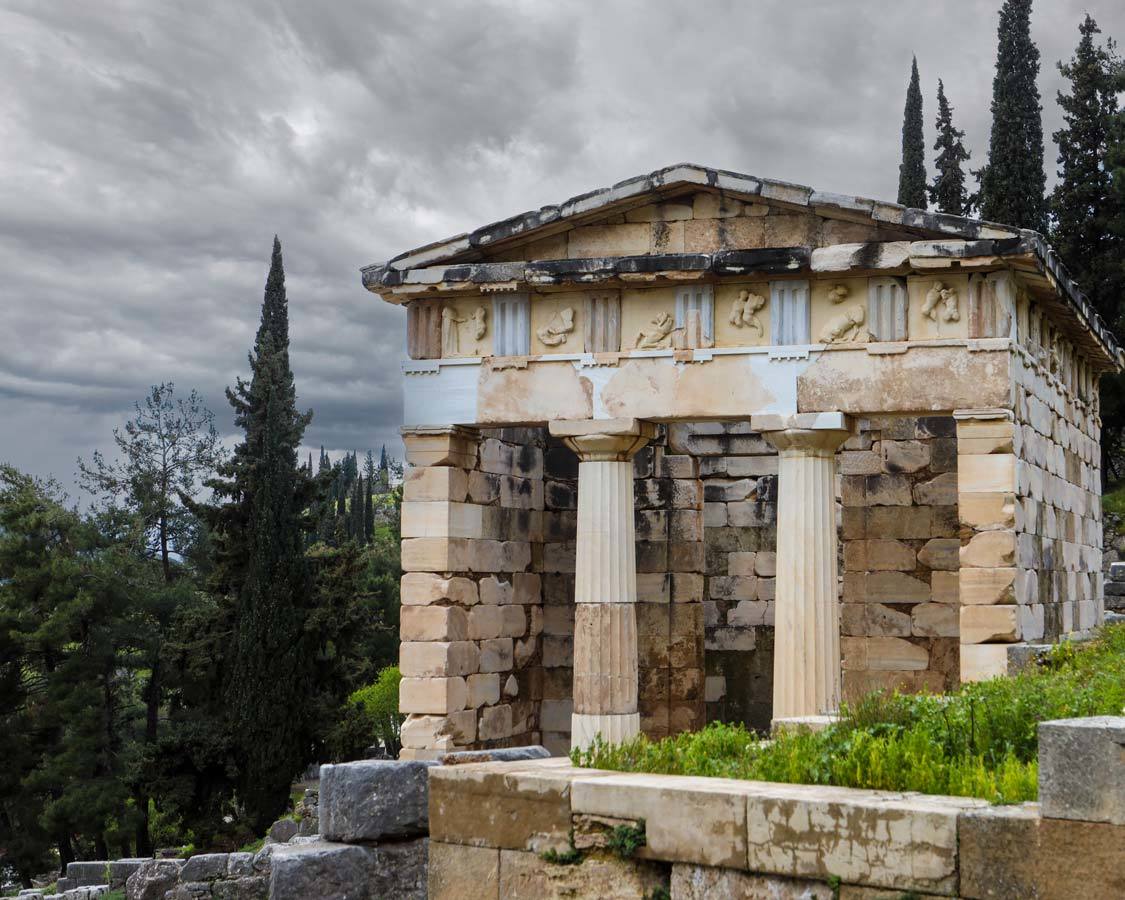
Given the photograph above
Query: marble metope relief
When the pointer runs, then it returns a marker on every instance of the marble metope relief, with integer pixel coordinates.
(847, 325)
(941, 303)
(475, 325)
(744, 311)
(658, 334)
(555, 331)
(838, 293)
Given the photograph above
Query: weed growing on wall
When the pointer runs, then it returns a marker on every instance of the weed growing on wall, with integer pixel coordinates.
(980, 741)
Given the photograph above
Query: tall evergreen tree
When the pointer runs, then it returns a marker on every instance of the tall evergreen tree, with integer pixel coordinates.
(948, 190)
(261, 565)
(912, 169)
(1013, 182)
(1082, 203)
(1089, 214)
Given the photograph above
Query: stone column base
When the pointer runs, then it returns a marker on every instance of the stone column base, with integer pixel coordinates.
(613, 728)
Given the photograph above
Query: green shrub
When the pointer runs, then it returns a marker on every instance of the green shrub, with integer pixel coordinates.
(380, 702)
(979, 741)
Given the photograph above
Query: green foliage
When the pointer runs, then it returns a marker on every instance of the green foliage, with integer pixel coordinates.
(948, 190)
(626, 840)
(912, 169)
(571, 856)
(1013, 182)
(980, 741)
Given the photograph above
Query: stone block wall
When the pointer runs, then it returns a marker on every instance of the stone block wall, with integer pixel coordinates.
(900, 544)
(738, 470)
(1059, 534)
(668, 517)
(471, 618)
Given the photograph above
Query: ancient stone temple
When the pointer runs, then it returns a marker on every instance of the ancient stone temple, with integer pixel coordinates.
(709, 446)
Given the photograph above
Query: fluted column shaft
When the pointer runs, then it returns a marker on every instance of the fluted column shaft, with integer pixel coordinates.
(605, 581)
(806, 661)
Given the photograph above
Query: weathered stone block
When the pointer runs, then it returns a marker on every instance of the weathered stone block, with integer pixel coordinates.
(1080, 859)
(989, 624)
(934, 620)
(939, 491)
(686, 819)
(525, 876)
(438, 659)
(331, 871)
(423, 588)
(460, 872)
(989, 550)
(987, 586)
(205, 867)
(895, 654)
(888, 490)
(1082, 769)
(435, 483)
(692, 882)
(861, 556)
(941, 553)
(153, 879)
(999, 851)
(370, 800)
(992, 474)
(433, 623)
(979, 662)
(862, 837)
(496, 655)
(905, 456)
(435, 696)
(513, 805)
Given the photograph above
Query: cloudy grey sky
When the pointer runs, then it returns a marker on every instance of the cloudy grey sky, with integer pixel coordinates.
(149, 149)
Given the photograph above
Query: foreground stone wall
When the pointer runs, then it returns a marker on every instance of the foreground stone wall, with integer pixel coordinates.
(493, 829)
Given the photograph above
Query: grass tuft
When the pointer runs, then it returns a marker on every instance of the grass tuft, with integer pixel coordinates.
(979, 741)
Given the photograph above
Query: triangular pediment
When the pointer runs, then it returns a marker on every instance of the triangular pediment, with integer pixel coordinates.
(690, 208)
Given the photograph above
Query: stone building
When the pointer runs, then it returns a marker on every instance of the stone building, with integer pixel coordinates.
(704, 445)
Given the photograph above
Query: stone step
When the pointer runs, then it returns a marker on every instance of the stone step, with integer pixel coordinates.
(334, 871)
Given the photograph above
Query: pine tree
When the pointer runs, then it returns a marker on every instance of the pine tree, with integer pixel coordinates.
(948, 192)
(1013, 182)
(261, 564)
(912, 169)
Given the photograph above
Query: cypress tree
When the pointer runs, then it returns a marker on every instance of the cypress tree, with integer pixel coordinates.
(261, 566)
(1082, 202)
(1013, 182)
(368, 512)
(948, 190)
(912, 169)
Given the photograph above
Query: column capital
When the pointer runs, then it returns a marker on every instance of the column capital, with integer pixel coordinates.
(440, 445)
(807, 441)
(604, 440)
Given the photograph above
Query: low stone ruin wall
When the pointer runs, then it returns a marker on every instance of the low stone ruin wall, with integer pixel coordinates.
(544, 829)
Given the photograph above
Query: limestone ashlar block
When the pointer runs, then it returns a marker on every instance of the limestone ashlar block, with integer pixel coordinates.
(433, 623)
(1082, 769)
(435, 483)
(979, 662)
(899, 522)
(701, 820)
(989, 550)
(999, 852)
(496, 655)
(514, 806)
(374, 799)
(444, 733)
(886, 555)
(424, 588)
(525, 876)
(896, 654)
(483, 690)
(450, 554)
(939, 491)
(941, 553)
(438, 659)
(989, 624)
(980, 587)
(441, 447)
(987, 511)
(945, 587)
(694, 882)
(934, 620)
(986, 474)
(871, 838)
(884, 587)
(432, 696)
(1086, 855)
(459, 872)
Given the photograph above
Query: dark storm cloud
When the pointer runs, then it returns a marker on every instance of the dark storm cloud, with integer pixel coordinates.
(150, 150)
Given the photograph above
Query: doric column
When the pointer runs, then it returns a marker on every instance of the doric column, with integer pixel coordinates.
(806, 661)
(605, 582)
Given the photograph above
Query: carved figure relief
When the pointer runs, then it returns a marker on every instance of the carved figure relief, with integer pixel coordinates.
(942, 301)
(838, 292)
(845, 326)
(658, 335)
(555, 331)
(451, 325)
(744, 309)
